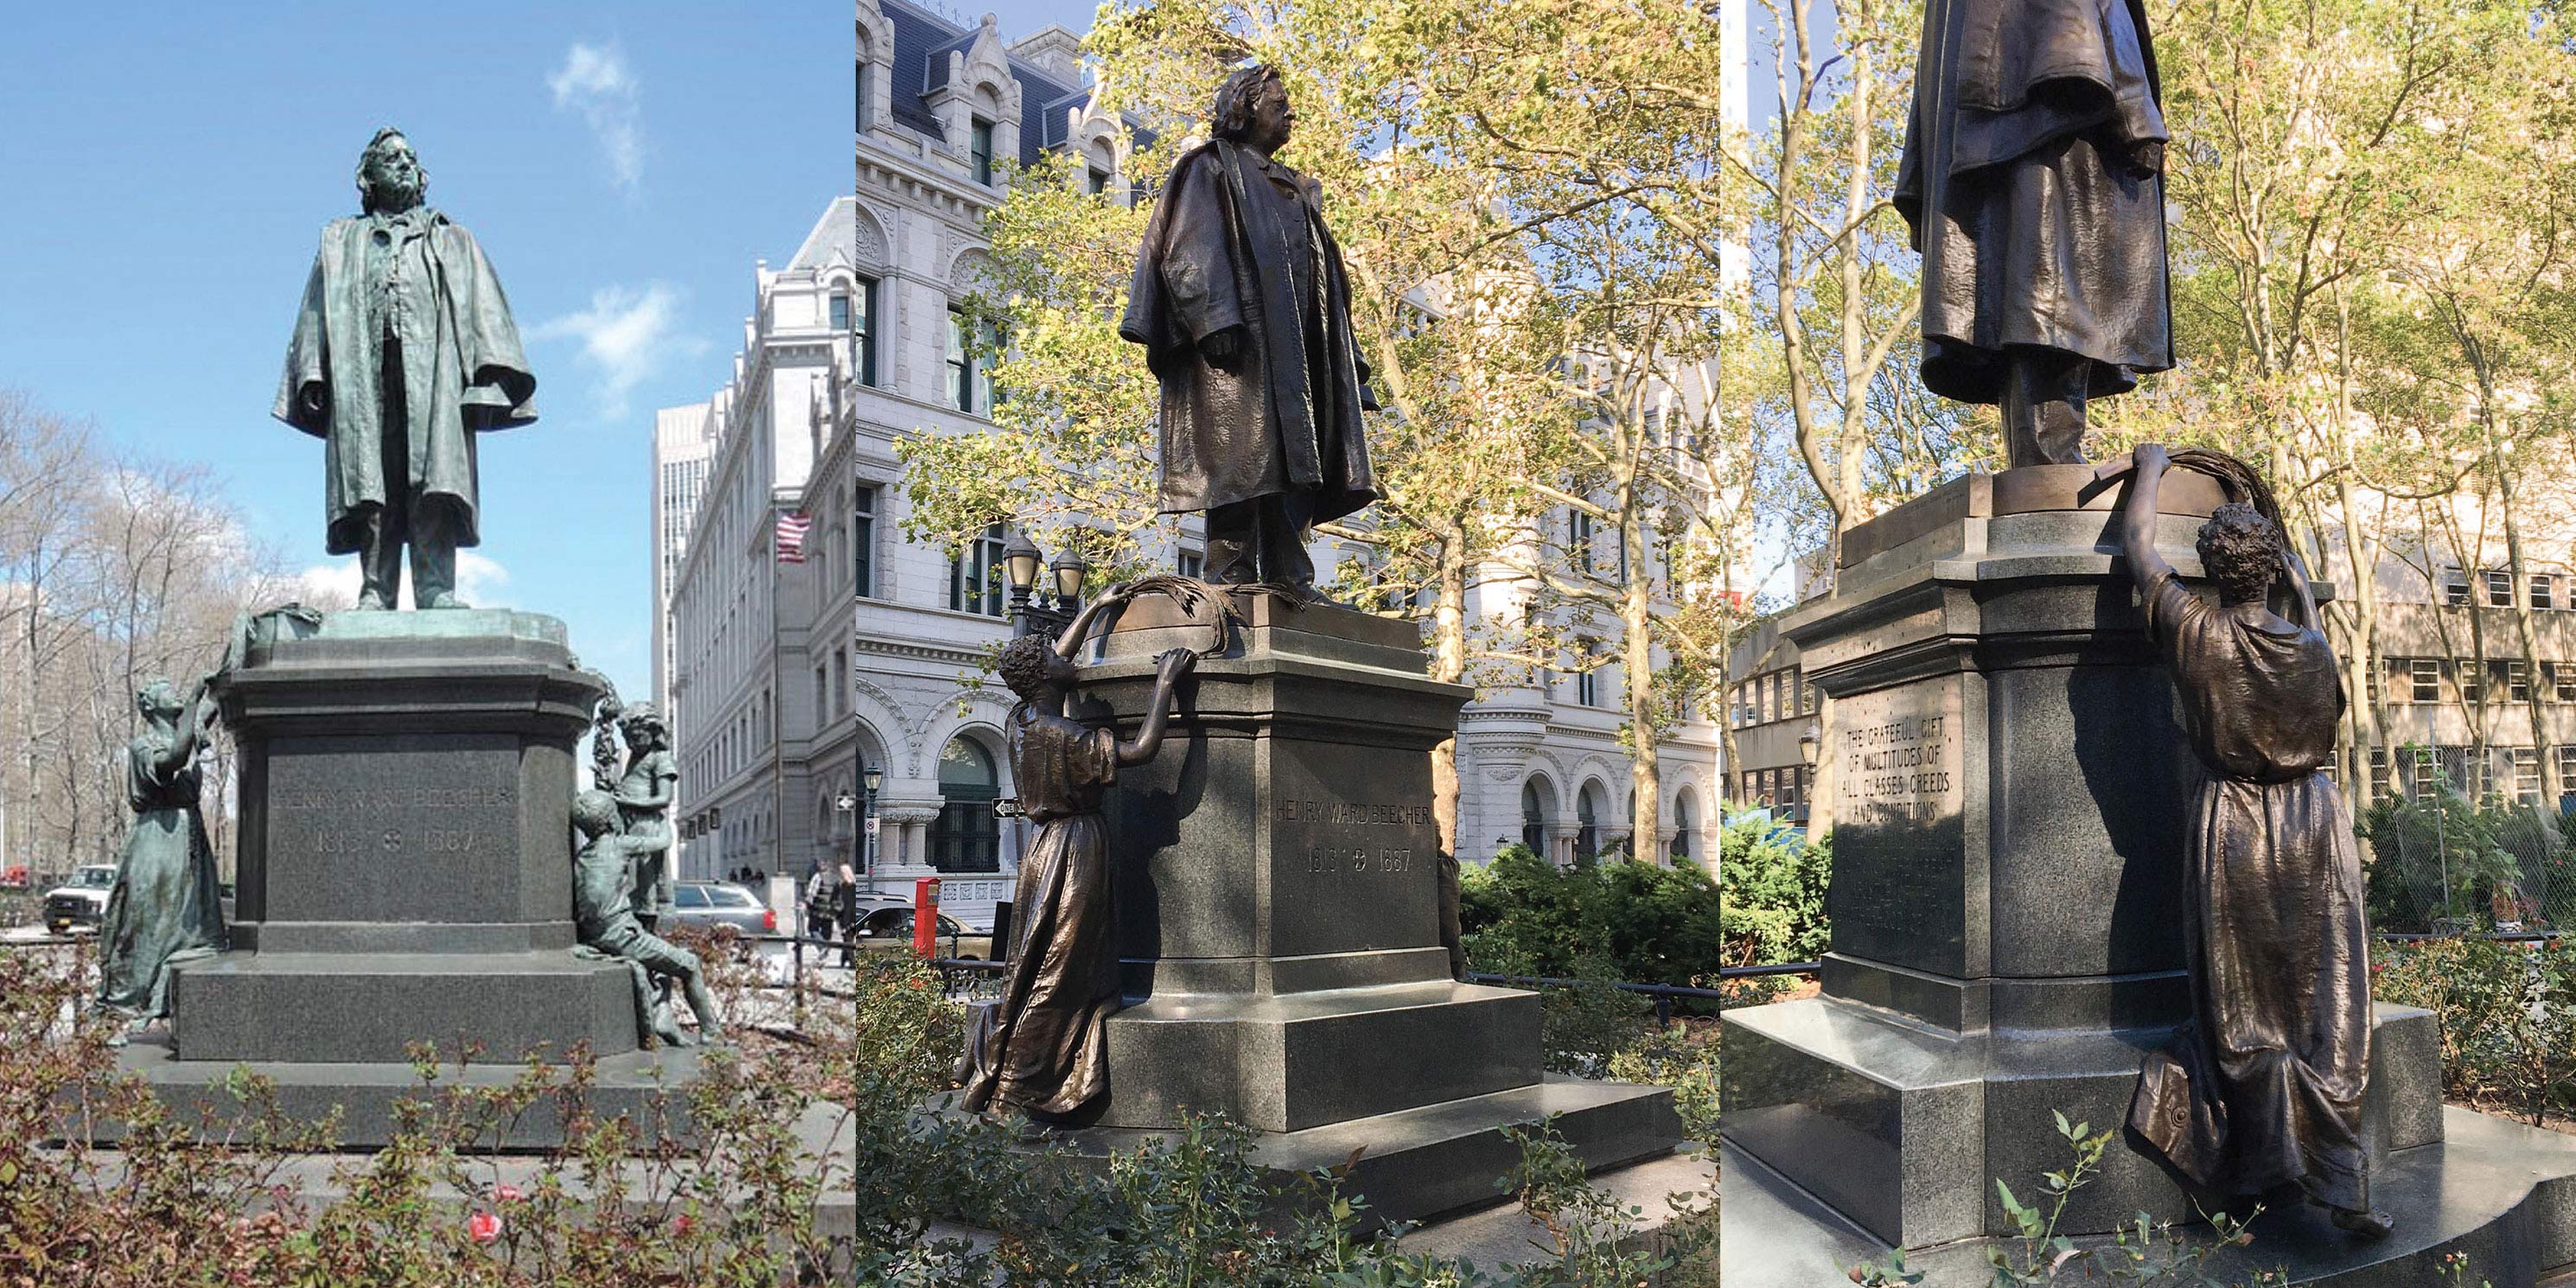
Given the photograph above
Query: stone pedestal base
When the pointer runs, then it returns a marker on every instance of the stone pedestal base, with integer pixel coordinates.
(1286, 1064)
(648, 1088)
(405, 873)
(1277, 893)
(2011, 787)
(2501, 1193)
(1422, 1162)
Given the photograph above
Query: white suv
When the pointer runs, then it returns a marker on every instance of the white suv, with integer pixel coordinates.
(80, 903)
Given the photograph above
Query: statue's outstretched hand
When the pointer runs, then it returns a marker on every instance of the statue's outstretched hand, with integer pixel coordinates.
(2147, 158)
(1218, 346)
(1175, 663)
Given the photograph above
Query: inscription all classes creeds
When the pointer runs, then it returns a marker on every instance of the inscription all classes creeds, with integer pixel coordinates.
(1897, 892)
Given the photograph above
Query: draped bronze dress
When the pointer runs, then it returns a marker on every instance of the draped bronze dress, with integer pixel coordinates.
(163, 909)
(2262, 1086)
(1044, 1047)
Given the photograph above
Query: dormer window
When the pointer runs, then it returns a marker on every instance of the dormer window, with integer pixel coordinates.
(980, 151)
(1097, 181)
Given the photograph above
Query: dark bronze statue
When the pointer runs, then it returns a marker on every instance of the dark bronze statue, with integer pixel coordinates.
(2261, 1089)
(1043, 1048)
(163, 908)
(1241, 303)
(2033, 182)
(403, 350)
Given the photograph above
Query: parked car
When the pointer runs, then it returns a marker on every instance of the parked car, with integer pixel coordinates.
(80, 903)
(888, 928)
(708, 904)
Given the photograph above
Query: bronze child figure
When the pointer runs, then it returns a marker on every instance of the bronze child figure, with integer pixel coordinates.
(1241, 303)
(404, 349)
(1043, 1048)
(603, 881)
(163, 907)
(2261, 1089)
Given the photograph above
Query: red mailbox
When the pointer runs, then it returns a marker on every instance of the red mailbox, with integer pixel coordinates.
(925, 916)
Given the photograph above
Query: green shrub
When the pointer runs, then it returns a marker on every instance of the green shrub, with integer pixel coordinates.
(1637, 922)
(2507, 1013)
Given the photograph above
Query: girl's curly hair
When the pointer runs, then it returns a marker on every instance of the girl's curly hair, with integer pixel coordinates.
(2240, 550)
(1024, 664)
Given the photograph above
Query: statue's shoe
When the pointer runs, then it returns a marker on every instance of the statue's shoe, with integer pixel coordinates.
(446, 601)
(2369, 1225)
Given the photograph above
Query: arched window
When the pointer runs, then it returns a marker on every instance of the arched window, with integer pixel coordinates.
(966, 838)
(1534, 818)
(1685, 827)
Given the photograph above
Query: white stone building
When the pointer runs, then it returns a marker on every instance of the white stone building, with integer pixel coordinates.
(787, 681)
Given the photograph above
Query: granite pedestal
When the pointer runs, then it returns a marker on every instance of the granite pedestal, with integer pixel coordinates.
(404, 872)
(2010, 791)
(1277, 909)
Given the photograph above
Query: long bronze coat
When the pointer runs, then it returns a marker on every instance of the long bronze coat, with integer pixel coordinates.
(463, 369)
(2014, 181)
(1238, 239)
(2263, 1086)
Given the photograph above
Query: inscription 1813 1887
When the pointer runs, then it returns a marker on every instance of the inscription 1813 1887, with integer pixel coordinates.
(1348, 848)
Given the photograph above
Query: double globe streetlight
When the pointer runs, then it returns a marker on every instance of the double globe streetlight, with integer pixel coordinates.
(1021, 560)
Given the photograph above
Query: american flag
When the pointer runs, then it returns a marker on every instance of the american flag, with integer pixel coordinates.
(792, 526)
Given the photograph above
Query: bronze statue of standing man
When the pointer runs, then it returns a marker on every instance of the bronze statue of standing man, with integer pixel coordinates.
(1245, 314)
(404, 350)
(2033, 182)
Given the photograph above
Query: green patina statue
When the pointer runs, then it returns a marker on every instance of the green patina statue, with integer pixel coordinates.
(603, 893)
(403, 350)
(163, 908)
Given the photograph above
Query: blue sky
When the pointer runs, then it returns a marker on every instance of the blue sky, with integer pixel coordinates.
(165, 169)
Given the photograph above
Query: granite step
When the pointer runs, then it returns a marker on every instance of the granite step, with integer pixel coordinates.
(2500, 1192)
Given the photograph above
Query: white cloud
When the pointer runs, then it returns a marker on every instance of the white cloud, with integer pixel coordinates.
(334, 585)
(595, 81)
(626, 333)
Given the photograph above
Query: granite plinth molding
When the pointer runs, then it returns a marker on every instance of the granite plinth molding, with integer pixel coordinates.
(404, 871)
(1277, 900)
(1434, 1159)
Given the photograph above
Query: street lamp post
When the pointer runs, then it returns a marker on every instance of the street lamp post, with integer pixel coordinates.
(872, 777)
(1021, 560)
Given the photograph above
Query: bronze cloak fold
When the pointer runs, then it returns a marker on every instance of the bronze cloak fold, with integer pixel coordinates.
(2015, 184)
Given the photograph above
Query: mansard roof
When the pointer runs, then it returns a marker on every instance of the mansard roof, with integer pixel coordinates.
(922, 42)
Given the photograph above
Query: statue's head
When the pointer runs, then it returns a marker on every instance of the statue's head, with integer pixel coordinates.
(2240, 550)
(389, 175)
(642, 724)
(158, 700)
(1032, 669)
(1252, 109)
(595, 813)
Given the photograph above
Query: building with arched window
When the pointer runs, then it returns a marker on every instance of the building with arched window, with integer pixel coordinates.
(787, 680)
